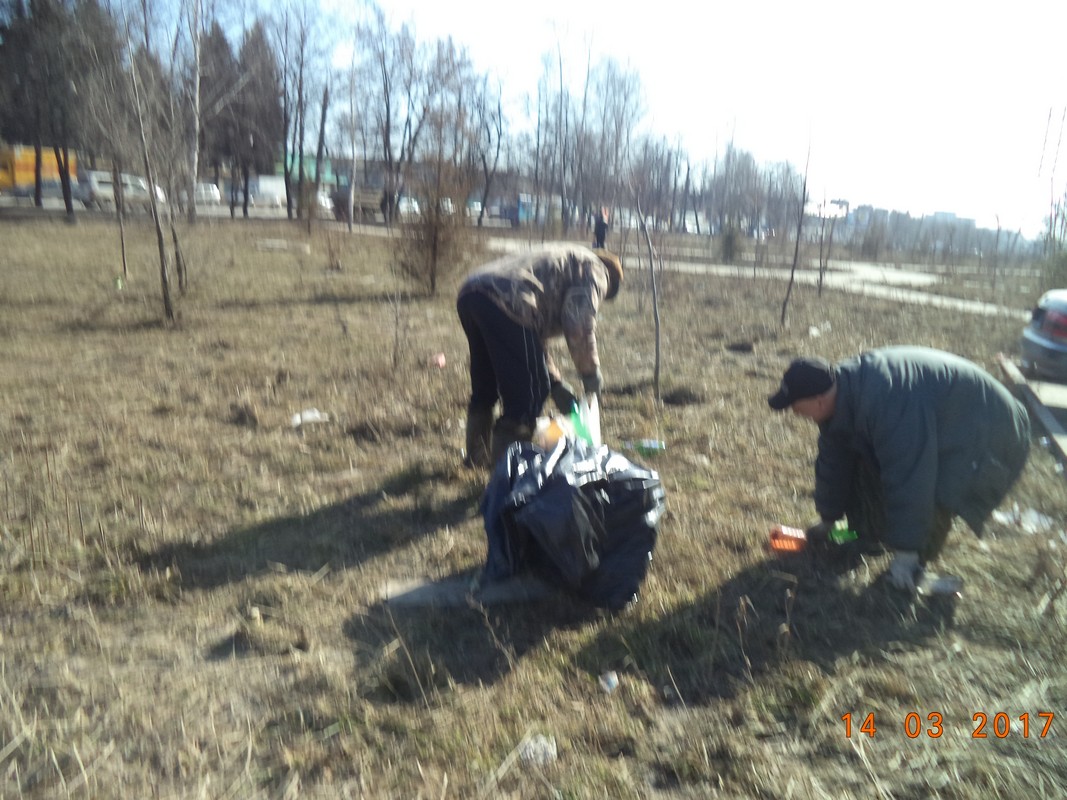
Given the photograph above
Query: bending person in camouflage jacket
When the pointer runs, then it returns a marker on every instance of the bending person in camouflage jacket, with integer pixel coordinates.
(508, 309)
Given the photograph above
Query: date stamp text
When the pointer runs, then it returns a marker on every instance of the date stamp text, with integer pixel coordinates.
(999, 725)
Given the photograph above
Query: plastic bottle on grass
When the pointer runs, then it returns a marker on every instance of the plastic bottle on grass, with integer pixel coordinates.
(646, 447)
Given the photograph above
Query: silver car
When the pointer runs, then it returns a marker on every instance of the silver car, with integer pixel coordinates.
(204, 194)
(1044, 341)
(98, 190)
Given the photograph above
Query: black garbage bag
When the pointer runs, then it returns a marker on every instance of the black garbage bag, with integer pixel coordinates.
(582, 518)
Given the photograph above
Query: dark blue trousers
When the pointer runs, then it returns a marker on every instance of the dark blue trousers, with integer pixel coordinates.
(507, 361)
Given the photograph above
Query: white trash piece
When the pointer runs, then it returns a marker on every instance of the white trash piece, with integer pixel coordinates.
(609, 681)
(538, 751)
(1028, 521)
(309, 415)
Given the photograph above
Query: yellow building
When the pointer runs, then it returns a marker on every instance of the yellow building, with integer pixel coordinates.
(18, 162)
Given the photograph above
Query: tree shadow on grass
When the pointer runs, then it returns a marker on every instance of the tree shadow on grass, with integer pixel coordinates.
(340, 535)
(776, 611)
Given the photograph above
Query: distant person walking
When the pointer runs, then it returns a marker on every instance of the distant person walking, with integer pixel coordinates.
(509, 308)
(600, 229)
(909, 438)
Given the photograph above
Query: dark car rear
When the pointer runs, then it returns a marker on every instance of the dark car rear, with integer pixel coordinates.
(1044, 341)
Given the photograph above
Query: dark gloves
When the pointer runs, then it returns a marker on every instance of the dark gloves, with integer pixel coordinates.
(819, 533)
(592, 383)
(563, 397)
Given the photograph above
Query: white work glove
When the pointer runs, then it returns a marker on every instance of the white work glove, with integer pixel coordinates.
(904, 571)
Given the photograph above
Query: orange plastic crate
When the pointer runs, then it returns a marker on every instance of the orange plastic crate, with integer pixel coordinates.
(787, 540)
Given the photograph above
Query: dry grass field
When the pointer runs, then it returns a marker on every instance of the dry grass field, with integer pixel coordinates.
(190, 586)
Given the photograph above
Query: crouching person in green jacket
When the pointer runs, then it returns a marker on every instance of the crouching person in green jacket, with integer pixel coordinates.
(909, 439)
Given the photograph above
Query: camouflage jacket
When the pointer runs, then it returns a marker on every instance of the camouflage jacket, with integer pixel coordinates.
(555, 291)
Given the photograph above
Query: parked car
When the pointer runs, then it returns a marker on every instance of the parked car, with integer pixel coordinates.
(407, 207)
(49, 189)
(98, 190)
(268, 191)
(206, 194)
(365, 202)
(1044, 340)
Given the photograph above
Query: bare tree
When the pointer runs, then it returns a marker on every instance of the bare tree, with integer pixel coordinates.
(257, 128)
(302, 39)
(143, 133)
(107, 127)
(827, 212)
(801, 203)
(353, 127)
(448, 167)
(222, 81)
(617, 111)
(320, 152)
(489, 138)
(399, 101)
(195, 22)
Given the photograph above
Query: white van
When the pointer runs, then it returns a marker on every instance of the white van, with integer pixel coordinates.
(98, 190)
(204, 194)
(268, 191)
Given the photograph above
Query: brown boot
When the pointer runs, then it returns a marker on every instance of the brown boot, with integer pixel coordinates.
(506, 431)
(479, 427)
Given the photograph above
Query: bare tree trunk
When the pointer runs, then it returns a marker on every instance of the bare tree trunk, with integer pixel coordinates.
(796, 246)
(822, 241)
(179, 260)
(538, 155)
(830, 242)
(301, 117)
(685, 201)
(164, 276)
(562, 149)
(674, 192)
(37, 201)
(996, 252)
(194, 144)
(122, 247)
(314, 201)
(488, 173)
(63, 160)
(116, 194)
(655, 301)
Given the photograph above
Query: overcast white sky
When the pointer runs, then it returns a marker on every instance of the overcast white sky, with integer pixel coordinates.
(913, 105)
